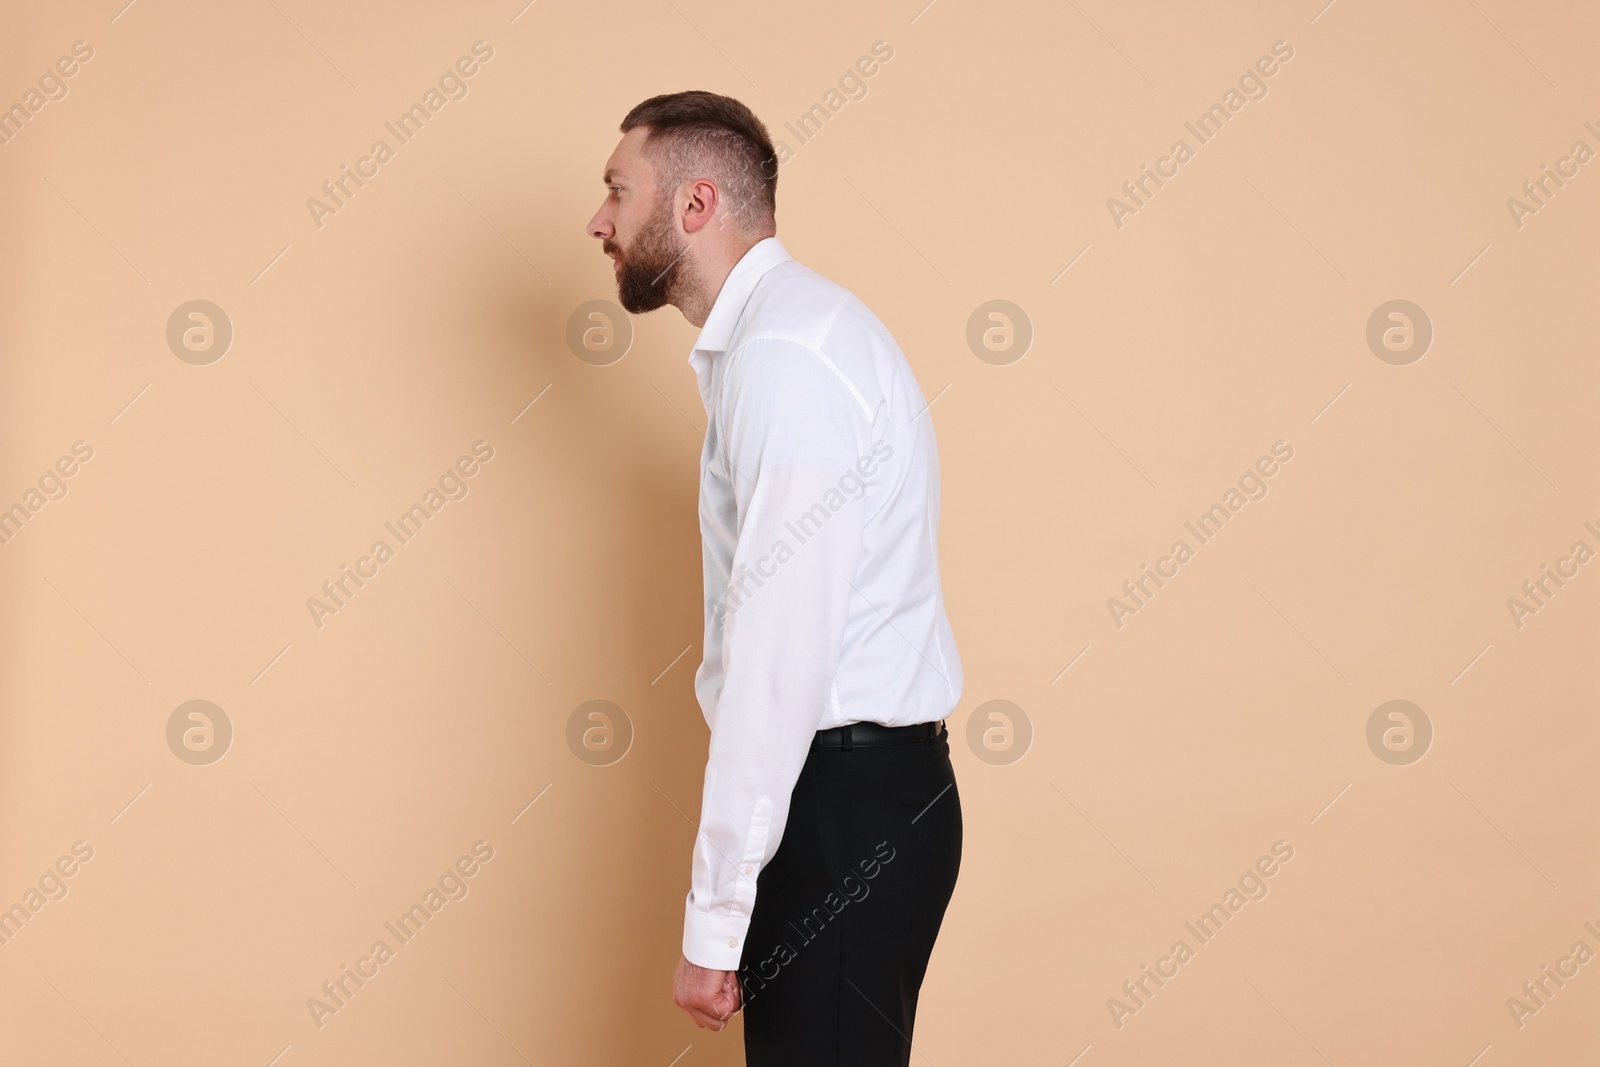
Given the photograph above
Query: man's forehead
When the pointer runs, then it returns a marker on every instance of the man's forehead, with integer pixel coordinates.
(627, 162)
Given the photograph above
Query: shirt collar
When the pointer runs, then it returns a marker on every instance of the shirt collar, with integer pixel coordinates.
(735, 293)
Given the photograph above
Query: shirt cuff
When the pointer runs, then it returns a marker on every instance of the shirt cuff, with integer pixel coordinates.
(713, 941)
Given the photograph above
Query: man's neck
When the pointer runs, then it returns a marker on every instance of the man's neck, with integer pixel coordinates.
(710, 273)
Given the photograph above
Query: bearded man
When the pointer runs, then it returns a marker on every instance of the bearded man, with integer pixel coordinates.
(830, 823)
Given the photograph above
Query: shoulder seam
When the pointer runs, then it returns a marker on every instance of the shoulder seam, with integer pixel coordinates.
(779, 335)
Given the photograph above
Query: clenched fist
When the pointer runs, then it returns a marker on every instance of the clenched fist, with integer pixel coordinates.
(708, 996)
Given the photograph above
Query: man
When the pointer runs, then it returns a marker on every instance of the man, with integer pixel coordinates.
(830, 825)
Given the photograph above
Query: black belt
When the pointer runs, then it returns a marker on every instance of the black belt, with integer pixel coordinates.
(876, 735)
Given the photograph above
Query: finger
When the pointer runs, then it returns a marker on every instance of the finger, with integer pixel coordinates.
(713, 1004)
(705, 1019)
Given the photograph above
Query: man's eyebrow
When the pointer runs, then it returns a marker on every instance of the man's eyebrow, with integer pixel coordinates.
(613, 176)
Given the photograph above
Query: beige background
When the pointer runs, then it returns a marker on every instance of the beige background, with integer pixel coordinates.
(1228, 714)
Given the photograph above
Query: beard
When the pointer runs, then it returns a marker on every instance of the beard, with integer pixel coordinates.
(651, 270)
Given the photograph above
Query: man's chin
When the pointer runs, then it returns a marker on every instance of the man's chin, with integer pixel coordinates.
(638, 307)
(638, 302)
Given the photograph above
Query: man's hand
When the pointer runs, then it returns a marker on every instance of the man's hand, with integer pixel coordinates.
(708, 996)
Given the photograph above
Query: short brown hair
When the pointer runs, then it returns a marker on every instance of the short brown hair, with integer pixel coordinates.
(697, 134)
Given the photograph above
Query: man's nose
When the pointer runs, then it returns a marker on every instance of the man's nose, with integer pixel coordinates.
(599, 227)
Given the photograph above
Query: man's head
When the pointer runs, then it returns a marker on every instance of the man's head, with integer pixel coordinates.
(690, 187)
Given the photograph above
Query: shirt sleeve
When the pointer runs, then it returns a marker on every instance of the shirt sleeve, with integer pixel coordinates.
(796, 445)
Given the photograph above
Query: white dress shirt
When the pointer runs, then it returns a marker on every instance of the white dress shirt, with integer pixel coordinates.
(819, 519)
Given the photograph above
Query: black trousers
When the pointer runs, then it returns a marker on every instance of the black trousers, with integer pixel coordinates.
(847, 911)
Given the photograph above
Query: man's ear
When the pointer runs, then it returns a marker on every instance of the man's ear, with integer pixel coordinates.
(701, 207)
